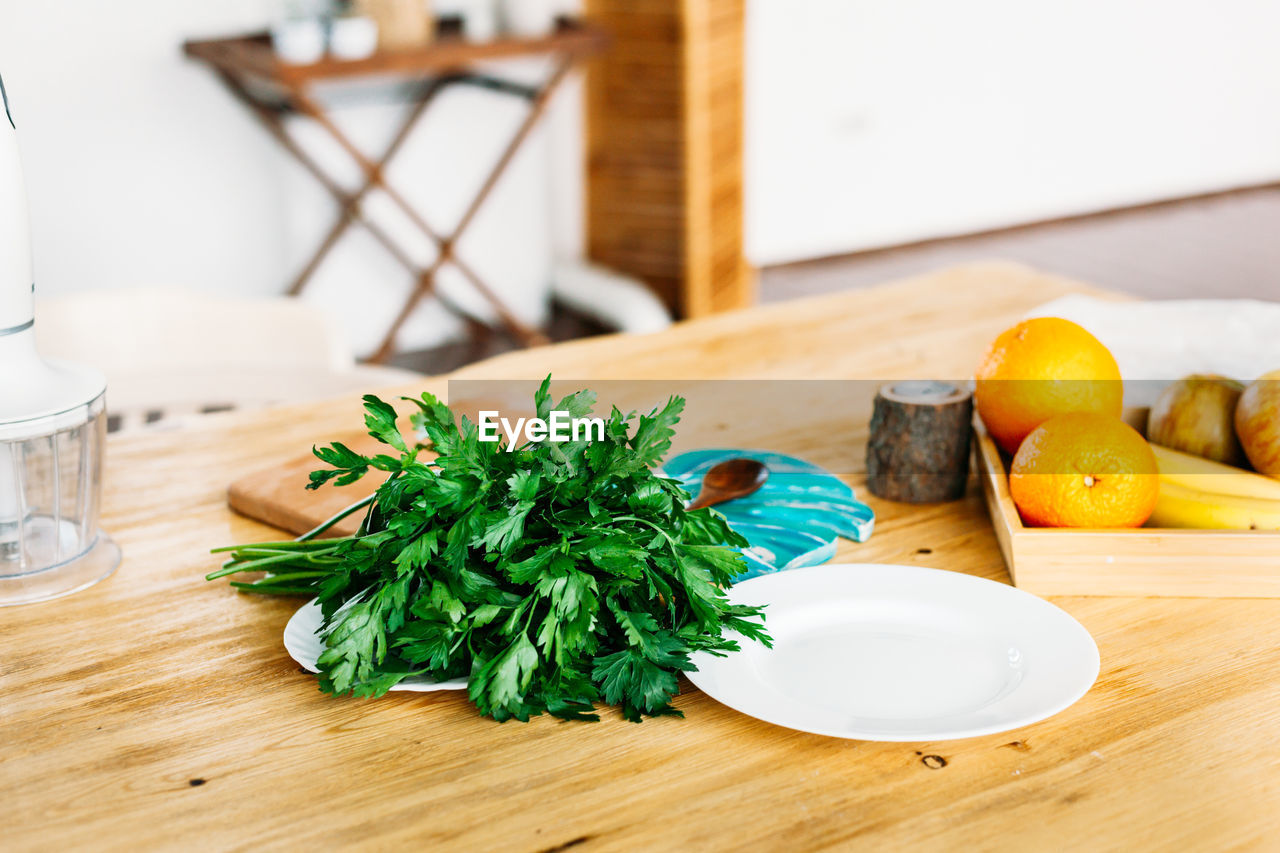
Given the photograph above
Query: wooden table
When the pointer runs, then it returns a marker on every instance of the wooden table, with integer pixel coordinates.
(157, 710)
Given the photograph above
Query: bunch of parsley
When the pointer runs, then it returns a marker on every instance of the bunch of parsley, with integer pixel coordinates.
(553, 577)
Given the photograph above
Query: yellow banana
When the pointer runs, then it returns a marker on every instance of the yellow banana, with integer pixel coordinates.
(1205, 475)
(1179, 506)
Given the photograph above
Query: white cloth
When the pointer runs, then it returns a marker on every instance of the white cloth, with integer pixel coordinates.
(1156, 343)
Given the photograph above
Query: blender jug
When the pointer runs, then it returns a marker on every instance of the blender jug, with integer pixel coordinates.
(52, 429)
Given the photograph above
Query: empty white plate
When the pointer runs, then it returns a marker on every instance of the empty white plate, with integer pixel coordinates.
(900, 653)
(305, 646)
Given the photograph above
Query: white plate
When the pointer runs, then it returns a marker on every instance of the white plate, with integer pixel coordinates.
(901, 653)
(305, 647)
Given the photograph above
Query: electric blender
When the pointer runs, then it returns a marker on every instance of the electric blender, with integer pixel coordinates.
(52, 428)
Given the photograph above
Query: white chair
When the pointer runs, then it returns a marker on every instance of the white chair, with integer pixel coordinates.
(169, 353)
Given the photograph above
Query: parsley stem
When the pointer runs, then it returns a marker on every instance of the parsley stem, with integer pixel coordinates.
(287, 545)
(289, 576)
(268, 590)
(664, 533)
(330, 522)
(259, 551)
(232, 567)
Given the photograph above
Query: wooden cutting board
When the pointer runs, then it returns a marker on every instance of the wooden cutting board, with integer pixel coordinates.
(278, 495)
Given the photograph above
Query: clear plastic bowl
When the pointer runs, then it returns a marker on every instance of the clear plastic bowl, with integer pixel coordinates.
(50, 489)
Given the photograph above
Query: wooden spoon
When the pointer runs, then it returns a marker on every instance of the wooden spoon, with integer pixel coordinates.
(732, 478)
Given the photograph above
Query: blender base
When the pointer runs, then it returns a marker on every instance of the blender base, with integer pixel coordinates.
(96, 564)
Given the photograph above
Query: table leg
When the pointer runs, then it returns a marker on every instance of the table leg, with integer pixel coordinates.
(270, 119)
(374, 176)
(426, 284)
(349, 211)
(536, 110)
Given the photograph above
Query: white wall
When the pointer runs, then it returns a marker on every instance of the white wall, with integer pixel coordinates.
(143, 171)
(869, 123)
(140, 170)
(872, 123)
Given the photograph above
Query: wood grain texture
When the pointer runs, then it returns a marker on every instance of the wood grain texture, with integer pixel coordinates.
(113, 702)
(664, 150)
(277, 495)
(1148, 561)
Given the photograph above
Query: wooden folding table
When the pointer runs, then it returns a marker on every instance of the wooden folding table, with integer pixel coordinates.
(273, 91)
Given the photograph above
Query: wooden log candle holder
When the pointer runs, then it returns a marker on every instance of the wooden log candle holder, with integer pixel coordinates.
(919, 446)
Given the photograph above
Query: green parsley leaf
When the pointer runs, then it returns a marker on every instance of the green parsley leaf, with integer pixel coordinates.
(554, 578)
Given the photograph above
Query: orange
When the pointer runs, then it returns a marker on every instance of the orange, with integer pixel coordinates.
(1041, 368)
(1085, 470)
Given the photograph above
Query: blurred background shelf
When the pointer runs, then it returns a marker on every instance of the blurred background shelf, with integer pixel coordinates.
(253, 55)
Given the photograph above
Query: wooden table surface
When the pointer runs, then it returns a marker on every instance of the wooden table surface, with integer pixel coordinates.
(157, 710)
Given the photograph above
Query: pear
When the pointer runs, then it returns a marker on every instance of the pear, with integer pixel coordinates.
(1258, 423)
(1196, 415)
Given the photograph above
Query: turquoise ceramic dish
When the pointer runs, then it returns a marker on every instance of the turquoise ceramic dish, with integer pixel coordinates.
(795, 518)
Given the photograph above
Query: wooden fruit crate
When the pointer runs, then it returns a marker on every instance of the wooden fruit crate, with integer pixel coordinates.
(1142, 562)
